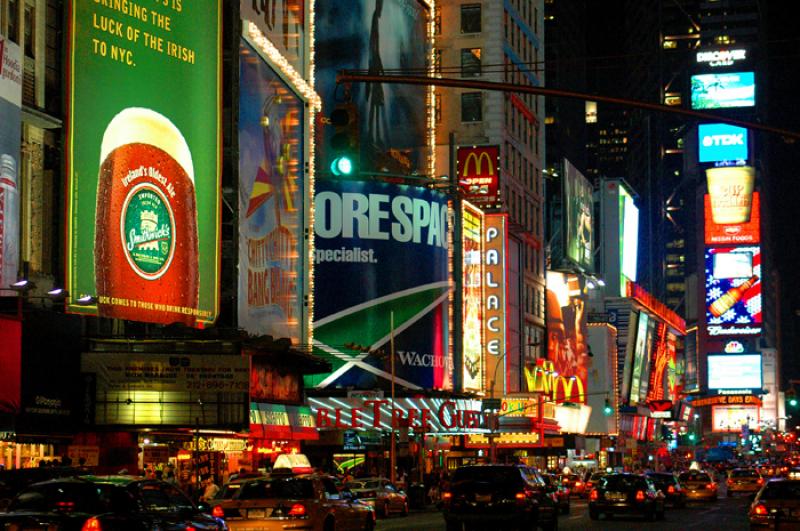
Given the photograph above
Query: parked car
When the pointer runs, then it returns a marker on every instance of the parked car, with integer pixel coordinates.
(669, 486)
(626, 494)
(575, 484)
(560, 490)
(744, 480)
(381, 494)
(287, 500)
(15, 480)
(698, 485)
(498, 495)
(777, 505)
(98, 503)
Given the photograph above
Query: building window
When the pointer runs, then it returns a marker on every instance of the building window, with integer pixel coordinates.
(437, 20)
(470, 62)
(437, 60)
(30, 22)
(471, 18)
(13, 21)
(472, 107)
(437, 107)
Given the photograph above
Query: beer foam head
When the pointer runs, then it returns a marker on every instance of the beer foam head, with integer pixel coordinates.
(137, 125)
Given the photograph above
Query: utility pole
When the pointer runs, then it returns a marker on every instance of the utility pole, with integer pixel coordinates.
(393, 443)
(458, 267)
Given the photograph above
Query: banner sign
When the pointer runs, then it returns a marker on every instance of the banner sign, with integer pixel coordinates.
(381, 252)
(578, 218)
(495, 238)
(144, 159)
(732, 418)
(271, 193)
(473, 318)
(10, 135)
(567, 328)
(543, 378)
(733, 288)
(283, 23)
(479, 173)
(748, 232)
(725, 57)
(723, 400)
(723, 90)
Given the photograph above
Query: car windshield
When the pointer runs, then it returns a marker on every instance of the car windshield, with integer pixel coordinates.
(488, 474)
(228, 492)
(622, 483)
(292, 488)
(375, 484)
(695, 476)
(781, 490)
(744, 474)
(662, 479)
(597, 476)
(49, 497)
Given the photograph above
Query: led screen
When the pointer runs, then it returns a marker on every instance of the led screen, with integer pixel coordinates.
(733, 298)
(629, 228)
(718, 142)
(723, 91)
(733, 233)
(639, 355)
(734, 371)
(733, 418)
(578, 220)
(566, 329)
(472, 304)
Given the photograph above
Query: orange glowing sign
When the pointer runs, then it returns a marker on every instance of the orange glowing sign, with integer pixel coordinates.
(494, 288)
(737, 233)
(478, 168)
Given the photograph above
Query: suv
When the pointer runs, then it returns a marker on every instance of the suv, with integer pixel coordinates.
(488, 495)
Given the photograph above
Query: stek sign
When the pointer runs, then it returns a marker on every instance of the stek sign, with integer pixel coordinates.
(478, 168)
(720, 142)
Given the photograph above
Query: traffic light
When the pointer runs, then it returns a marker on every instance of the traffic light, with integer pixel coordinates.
(691, 437)
(345, 141)
(607, 409)
(791, 397)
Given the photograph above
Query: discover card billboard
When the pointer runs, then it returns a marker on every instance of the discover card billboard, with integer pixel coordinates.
(381, 254)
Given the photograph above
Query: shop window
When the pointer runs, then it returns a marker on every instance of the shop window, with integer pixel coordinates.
(472, 107)
(470, 62)
(471, 18)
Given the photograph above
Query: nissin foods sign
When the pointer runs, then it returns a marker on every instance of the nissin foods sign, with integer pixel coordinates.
(718, 142)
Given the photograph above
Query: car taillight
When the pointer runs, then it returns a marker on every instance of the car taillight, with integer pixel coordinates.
(65, 506)
(760, 481)
(671, 489)
(566, 489)
(640, 495)
(217, 511)
(730, 482)
(760, 510)
(298, 509)
(520, 496)
(92, 524)
(447, 496)
(578, 483)
(710, 486)
(593, 495)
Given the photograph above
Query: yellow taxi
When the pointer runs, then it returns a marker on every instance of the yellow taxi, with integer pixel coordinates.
(698, 485)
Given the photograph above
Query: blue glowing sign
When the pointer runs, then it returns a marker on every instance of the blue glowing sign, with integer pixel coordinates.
(718, 142)
(722, 91)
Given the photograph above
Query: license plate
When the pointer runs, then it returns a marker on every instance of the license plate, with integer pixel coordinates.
(258, 513)
(615, 496)
(483, 498)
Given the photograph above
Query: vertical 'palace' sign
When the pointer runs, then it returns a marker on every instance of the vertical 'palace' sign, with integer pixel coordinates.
(494, 289)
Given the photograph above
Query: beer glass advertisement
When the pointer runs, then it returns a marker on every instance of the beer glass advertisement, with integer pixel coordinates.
(578, 221)
(733, 290)
(567, 332)
(271, 195)
(472, 379)
(381, 272)
(283, 23)
(143, 160)
(377, 37)
(10, 125)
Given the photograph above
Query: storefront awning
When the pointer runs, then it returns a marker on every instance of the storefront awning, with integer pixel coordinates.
(282, 422)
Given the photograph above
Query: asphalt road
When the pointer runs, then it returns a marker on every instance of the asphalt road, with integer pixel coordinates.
(728, 514)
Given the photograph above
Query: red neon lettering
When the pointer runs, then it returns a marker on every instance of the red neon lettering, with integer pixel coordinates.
(355, 419)
(425, 419)
(397, 418)
(339, 423)
(412, 416)
(322, 419)
(452, 407)
(376, 411)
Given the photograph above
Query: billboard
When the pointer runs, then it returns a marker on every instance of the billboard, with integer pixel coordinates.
(578, 230)
(663, 371)
(495, 238)
(641, 360)
(734, 371)
(629, 237)
(377, 36)
(271, 196)
(283, 23)
(690, 379)
(730, 190)
(719, 142)
(721, 57)
(619, 223)
(733, 418)
(381, 250)
(11, 361)
(734, 233)
(10, 134)
(723, 90)
(143, 160)
(479, 173)
(567, 327)
(474, 364)
(733, 287)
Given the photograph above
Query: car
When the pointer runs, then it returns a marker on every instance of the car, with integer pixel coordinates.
(669, 486)
(698, 485)
(495, 496)
(575, 484)
(630, 494)
(560, 490)
(381, 494)
(776, 505)
(592, 480)
(99, 503)
(286, 500)
(743, 480)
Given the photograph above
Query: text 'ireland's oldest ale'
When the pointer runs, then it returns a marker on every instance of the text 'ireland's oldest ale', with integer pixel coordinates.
(146, 256)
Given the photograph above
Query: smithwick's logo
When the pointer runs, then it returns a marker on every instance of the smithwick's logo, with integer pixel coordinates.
(147, 227)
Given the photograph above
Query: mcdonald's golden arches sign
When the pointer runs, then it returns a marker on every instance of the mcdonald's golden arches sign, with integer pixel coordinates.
(478, 168)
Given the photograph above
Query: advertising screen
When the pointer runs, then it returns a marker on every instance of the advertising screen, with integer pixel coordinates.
(734, 233)
(690, 354)
(567, 328)
(734, 371)
(733, 286)
(377, 36)
(283, 23)
(381, 258)
(271, 191)
(723, 90)
(10, 134)
(639, 372)
(730, 191)
(662, 368)
(733, 418)
(472, 378)
(143, 159)
(479, 173)
(578, 217)
(629, 236)
(718, 142)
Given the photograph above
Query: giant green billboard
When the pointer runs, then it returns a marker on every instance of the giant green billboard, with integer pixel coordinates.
(143, 159)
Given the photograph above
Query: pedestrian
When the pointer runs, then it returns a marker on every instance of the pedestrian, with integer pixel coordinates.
(210, 488)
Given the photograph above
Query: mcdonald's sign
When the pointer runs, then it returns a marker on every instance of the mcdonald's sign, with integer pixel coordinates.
(478, 168)
(544, 379)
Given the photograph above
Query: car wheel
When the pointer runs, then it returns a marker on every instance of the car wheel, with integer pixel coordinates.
(386, 511)
(329, 525)
(594, 515)
(405, 508)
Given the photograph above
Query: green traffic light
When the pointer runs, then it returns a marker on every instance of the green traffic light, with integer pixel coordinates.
(691, 436)
(342, 166)
(793, 402)
(608, 410)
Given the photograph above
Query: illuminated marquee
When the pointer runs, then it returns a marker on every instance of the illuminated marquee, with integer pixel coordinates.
(478, 168)
(494, 292)
(473, 320)
(716, 58)
(544, 379)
